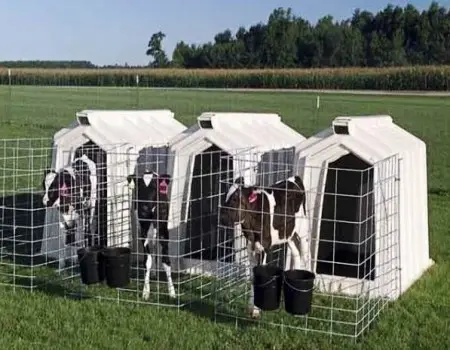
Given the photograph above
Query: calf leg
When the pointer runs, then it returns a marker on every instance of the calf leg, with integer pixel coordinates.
(91, 226)
(87, 227)
(305, 249)
(164, 235)
(295, 254)
(145, 225)
(79, 230)
(70, 233)
(264, 257)
(304, 252)
(253, 309)
(288, 263)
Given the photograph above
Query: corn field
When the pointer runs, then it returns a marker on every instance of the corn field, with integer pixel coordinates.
(432, 78)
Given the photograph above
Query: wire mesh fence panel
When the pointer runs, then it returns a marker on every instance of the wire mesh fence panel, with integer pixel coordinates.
(316, 249)
(110, 221)
(22, 166)
(152, 230)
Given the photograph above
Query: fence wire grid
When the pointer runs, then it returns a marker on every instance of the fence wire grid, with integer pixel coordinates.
(351, 229)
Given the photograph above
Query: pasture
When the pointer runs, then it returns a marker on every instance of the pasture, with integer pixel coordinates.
(419, 319)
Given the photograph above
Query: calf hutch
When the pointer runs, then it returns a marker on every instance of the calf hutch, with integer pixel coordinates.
(201, 160)
(112, 140)
(366, 230)
(366, 184)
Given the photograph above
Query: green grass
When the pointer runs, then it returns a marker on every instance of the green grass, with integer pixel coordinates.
(419, 319)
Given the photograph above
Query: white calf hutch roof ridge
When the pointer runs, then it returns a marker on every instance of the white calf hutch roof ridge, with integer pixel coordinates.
(235, 131)
(110, 128)
(227, 133)
(376, 141)
(114, 138)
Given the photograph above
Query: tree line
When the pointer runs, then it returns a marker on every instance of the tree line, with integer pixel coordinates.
(394, 36)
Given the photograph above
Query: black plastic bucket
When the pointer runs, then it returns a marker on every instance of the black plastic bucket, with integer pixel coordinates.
(117, 265)
(267, 283)
(91, 264)
(298, 289)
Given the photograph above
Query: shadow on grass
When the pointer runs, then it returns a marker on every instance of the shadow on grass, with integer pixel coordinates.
(194, 300)
(207, 309)
(53, 288)
(22, 219)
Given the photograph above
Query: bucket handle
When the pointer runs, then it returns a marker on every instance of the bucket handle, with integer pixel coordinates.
(83, 257)
(313, 288)
(268, 282)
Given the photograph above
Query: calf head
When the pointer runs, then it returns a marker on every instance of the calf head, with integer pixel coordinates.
(57, 189)
(58, 193)
(149, 190)
(242, 206)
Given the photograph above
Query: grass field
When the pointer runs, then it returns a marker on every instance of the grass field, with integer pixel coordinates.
(420, 319)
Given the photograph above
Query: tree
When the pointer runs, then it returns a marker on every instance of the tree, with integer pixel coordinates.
(223, 38)
(182, 55)
(280, 39)
(352, 49)
(394, 36)
(154, 49)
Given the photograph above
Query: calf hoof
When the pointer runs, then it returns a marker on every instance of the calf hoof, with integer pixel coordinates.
(254, 312)
(172, 293)
(146, 294)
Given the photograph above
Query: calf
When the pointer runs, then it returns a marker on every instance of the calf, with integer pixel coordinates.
(73, 191)
(268, 217)
(151, 202)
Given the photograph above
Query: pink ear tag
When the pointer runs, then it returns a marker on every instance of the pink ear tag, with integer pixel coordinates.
(252, 197)
(163, 187)
(63, 190)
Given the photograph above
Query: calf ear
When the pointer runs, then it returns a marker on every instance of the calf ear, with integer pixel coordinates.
(131, 177)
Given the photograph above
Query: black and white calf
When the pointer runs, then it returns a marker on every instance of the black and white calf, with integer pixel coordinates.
(73, 191)
(269, 217)
(151, 201)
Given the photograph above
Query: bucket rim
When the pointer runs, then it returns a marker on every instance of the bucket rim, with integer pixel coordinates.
(275, 273)
(276, 269)
(95, 248)
(115, 251)
(308, 275)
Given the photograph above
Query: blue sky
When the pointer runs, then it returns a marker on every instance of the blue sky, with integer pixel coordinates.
(108, 32)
